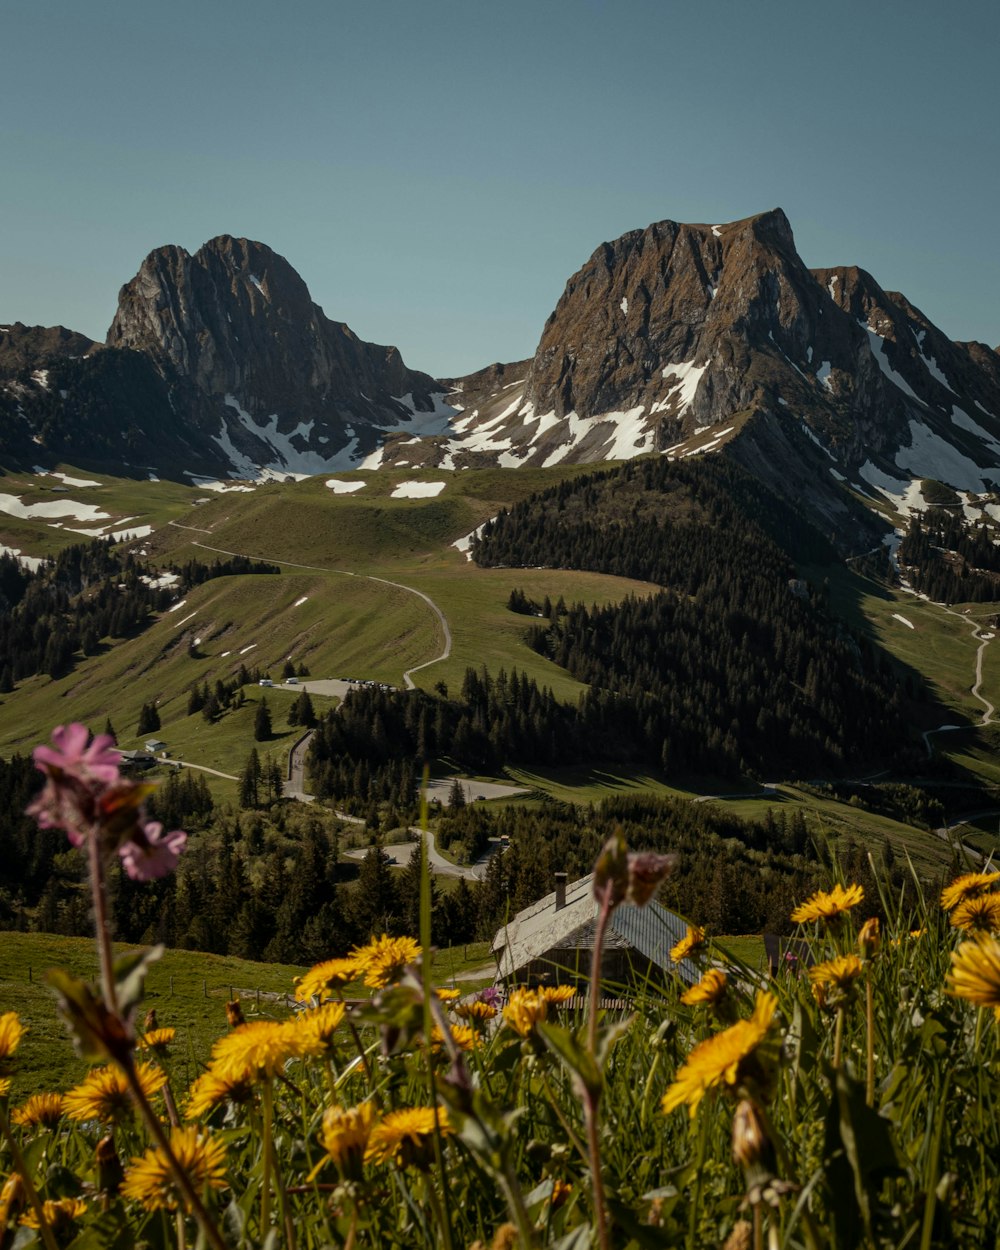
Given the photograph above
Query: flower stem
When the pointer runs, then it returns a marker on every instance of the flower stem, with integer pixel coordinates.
(870, 1040)
(838, 1038)
(267, 1099)
(21, 1167)
(102, 933)
(592, 1100)
(183, 1181)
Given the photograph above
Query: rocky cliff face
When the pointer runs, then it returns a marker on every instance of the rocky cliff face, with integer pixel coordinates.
(234, 325)
(686, 339)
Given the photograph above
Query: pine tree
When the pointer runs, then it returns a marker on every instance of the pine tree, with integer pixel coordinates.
(149, 719)
(250, 781)
(305, 713)
(262, 722)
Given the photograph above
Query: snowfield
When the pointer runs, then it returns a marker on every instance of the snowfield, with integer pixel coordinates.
(417, 490)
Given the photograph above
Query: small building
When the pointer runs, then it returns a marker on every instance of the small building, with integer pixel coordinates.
(137, 761)
(154, 745)
(553, 941)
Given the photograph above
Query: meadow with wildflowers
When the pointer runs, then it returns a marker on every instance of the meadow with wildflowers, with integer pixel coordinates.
(848, 1100)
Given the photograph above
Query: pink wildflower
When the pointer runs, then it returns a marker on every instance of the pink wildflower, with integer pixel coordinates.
(77, 771)
(73, 752)
(154, 853)
(84, 794)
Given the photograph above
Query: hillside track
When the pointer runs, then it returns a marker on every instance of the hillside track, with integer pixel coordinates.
(368, 577)
(984, 637)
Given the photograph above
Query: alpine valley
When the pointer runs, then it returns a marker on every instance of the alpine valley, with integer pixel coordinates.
(730, 533)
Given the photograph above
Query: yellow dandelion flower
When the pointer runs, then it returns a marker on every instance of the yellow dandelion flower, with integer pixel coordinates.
(11, 1032)
(449, 995)
(322, 979)
(60, 1215)
(969, 885)
(978, 914)
(525, 1009)
(382, 961)
(476, 1012)
(103, 1094)
(463, 1035)
(150, 1181)
(838, 975)
(345, 1135)
(315, 1028)
(4, 1086)
(724, 1060)
(255, 1050)
(975, 972)
(156, 1039)
(40, 1111)
(828, 904)
(709, 990)
(405, 1136)
(211, 1090)
(691, 942)
(557, 995)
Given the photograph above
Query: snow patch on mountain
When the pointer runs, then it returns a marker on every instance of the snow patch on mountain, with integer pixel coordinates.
(929, 455)
(34, 563)
(877, 344)
(76, 482)
(340, 487)
(417, 490)
(12, 505)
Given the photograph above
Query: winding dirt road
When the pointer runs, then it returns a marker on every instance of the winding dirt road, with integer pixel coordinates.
(984, 638)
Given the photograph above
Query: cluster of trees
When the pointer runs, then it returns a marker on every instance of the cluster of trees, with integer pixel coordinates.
(89, 592)
(261, 781)
(676, 523)
(948, 561)
(699, 683)
(909, 804)
(212, 702)
(739, 666)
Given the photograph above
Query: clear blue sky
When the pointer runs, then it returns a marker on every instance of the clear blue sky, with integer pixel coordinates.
(436, 170)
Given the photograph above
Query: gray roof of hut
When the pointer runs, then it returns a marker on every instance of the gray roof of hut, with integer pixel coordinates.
(542, 927)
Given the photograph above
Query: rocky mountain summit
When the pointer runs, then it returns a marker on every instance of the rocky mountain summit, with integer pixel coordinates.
(229, 367)
(677, 339)
(685, 339)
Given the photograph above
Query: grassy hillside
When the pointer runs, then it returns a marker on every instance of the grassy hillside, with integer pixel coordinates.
(339, 619)
(189, 991)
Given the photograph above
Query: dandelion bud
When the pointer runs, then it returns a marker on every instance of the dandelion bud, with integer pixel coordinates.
(234, 1014)
(751, 1145)
(869, 939)
(12, 1199)
(561, 1191)
(150, 1022)
(646, 869)
(110, 1172)
(611, 872)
